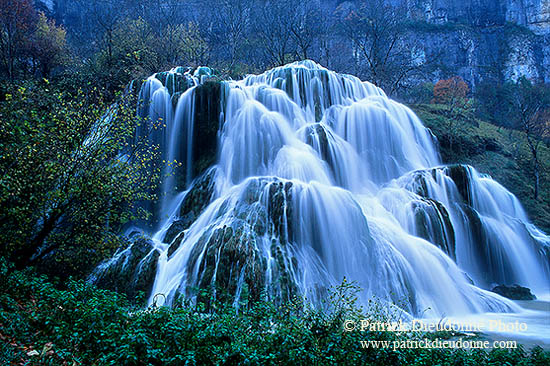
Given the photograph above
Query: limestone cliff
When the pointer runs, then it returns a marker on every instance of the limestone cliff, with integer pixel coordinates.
(512, 36)
(479, 39)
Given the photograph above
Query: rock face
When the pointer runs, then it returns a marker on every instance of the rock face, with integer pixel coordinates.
(503, 39)
(534, 14)
(479, 40)
(514, 292)
(512, 35)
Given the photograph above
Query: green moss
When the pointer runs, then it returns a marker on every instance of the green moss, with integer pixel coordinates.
(132, 271)
(176, 228)
(176, 243)
(198, 197)
(230, 252)
(227, 255)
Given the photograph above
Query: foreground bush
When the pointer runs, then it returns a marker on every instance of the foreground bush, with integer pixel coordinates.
(82, 325)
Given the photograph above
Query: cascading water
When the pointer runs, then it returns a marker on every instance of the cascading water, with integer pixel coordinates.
(320, 176)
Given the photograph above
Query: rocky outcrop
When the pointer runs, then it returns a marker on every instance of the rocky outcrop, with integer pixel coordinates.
(207, 119)
(198, 197)
(131, 270)
(534, 14)
(509, 36)
(450, 213)
(231, 261)
(433, 224)
(514, 292)
(194, 203)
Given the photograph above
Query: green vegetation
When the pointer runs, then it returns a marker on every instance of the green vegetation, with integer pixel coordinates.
(500, 152)
(79, 324)
(66, 189)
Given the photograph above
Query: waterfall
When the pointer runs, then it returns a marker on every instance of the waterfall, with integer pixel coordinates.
(166, 105)
(320, 176)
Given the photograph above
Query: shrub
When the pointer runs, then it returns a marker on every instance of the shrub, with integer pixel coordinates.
(82, 325)
(66, 189)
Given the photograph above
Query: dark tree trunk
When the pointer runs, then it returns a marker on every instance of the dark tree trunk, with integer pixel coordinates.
(24, 256)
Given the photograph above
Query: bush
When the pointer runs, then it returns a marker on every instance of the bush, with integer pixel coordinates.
(66, 190)
(83, 325)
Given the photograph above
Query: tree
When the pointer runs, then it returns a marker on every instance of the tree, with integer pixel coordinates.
(489, 104)
(453, 93)
(17, 18)
(382, 52)
(530, 109)
(166, 18)
(192, 47)
(65, 188)
(232, 18)
(273, 26)
(129, 52)
(306, 26)
(422, 93)
(48, 44)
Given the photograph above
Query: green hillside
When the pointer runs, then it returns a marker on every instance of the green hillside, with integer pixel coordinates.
(497, 151)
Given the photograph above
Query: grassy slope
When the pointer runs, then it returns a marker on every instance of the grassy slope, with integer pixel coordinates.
(499, 152)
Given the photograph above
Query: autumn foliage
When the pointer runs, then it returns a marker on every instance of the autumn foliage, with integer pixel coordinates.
(449, 91)
(48, 44)
(16, 20)
(29, 41)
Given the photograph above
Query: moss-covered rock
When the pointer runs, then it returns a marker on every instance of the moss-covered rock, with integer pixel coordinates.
(198, 197)
(514, 292)
(460, 174)
(434, 224)
(230, 259)
(145, 273)
(193, 204)
(131, 270)
(280, 208)
(177, 227)
(175, 244)
(316, 134)
(177, 80)
(207, 123)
